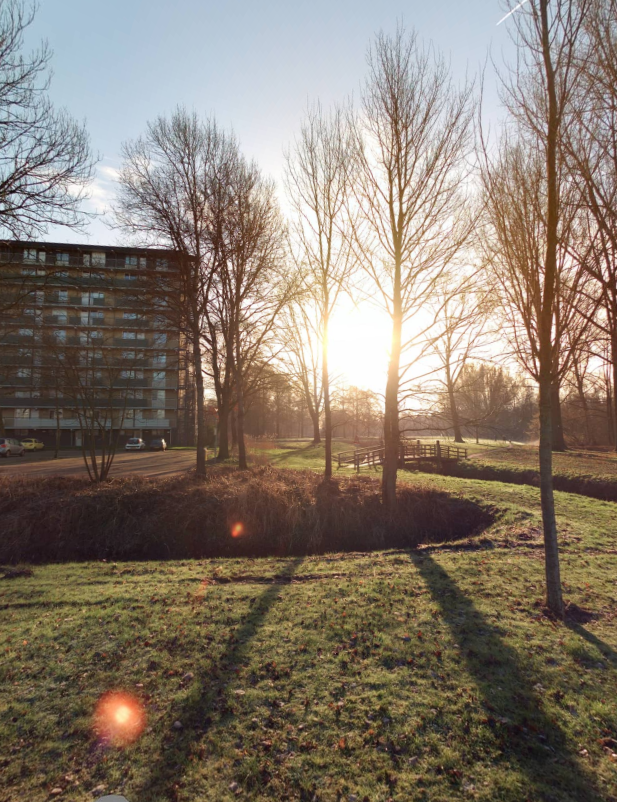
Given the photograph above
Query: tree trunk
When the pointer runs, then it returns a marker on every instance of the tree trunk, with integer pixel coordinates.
(558, 439)
(554, 597)
(456, 421)
(234, 430)
(242, 463)
(590, 439)
(614, 393)
(391, 420)
(201, 418)
(551, 552)
(326, 394)
(223, 413)
(57, 449)
(315, 422)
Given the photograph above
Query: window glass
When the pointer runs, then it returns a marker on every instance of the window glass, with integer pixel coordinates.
(130, 261)
(128, 335)
(26, 332)
(24, 373)
(98, 259)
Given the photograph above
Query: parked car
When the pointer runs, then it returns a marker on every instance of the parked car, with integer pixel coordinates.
(158, 444)
(10, 447)
(32, 444)
(135, 444)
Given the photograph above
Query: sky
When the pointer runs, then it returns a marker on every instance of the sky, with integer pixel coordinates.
(252, 65)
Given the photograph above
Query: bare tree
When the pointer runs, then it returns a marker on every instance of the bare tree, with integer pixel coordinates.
(167, 197)
(538, 93)
(94, 382)
(253, 283)
(319, 174)
(301, 355)
(45, 159)
(591, 144)
(412, 137)
(462, 312)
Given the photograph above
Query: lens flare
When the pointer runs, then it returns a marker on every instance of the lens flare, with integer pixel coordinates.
(119, 718)
(237, 530)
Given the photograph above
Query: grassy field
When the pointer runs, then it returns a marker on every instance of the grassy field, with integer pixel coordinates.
(425, 675)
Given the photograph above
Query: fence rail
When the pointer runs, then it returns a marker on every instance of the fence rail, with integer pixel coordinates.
(409, 452)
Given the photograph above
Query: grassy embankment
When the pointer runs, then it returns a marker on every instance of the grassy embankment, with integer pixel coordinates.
(423, 675)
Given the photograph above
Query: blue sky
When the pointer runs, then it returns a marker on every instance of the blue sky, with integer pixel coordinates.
(253, 65)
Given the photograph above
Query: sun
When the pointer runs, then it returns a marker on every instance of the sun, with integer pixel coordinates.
(358, 346)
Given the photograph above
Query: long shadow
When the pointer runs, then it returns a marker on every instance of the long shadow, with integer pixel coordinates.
(293, 452)
(606, 650)
(198, 710)
(524, 733)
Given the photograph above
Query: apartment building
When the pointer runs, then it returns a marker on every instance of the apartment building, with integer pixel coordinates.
(78, 336)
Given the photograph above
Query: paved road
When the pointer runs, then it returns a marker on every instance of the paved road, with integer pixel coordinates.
(70, 463)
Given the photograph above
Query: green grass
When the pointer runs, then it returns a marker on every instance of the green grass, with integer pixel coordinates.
(575, 463)
(430, 675)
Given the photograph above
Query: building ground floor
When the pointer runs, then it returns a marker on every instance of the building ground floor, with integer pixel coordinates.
(73, 438)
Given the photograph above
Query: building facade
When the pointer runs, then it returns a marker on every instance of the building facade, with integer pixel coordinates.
(81, 336)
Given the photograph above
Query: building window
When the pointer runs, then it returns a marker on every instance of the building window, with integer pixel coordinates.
(130, 261)
(159, 339)
(159, 359)
(159, 376)
(59, 315)
(24, 373)
(128, 335)
(30, 255)
(129, 315)
(98, 259)
(97, 298)
(161, 264)
(62, 258)
(28, 271)
(130, 276)
(128, 355)
(159, 414)
(63, 296)
(96, 335)
(26, 332)
(60, 335)
(23, 413)
(24, 353)
(22, 393)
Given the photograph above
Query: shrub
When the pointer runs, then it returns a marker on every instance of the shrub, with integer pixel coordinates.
(263, 511)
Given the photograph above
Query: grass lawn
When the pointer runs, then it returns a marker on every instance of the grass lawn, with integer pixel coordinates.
(430, 675)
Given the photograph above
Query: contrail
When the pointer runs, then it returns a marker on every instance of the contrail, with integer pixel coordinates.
(509, 14)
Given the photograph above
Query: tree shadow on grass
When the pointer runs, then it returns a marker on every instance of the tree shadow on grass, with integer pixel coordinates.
(206, 699)
(523, 731)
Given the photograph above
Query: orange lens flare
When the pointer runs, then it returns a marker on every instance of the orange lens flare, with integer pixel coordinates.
(119, 718)
(237, 530)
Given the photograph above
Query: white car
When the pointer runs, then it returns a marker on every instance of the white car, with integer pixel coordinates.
(9, 446)
(135, 444)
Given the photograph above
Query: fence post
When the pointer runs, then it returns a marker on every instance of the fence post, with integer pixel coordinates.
(438, 450)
